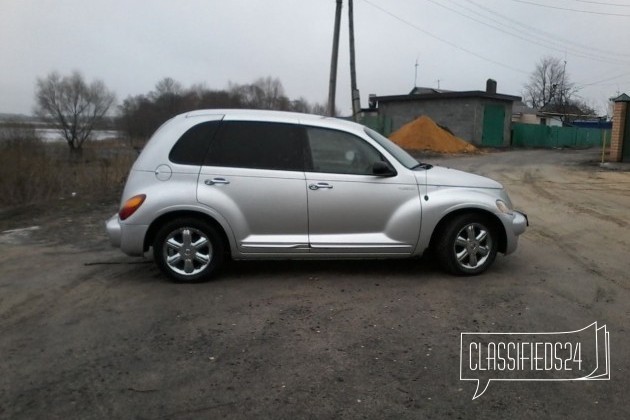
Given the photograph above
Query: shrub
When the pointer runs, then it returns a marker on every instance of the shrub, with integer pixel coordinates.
(34, 171)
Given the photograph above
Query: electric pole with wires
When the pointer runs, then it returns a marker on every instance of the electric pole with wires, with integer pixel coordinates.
(356, 99)
(332, 87)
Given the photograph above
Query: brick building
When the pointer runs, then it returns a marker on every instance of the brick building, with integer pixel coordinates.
(479, 117)
(620, 141)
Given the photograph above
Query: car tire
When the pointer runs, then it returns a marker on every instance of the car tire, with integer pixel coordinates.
(188, 250)
(467, 245)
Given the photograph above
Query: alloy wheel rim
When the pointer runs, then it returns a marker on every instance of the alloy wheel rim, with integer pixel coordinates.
(472, 247)
(187, 251)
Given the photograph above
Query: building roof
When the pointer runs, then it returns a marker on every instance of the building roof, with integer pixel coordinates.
(622, 98)
(419, 90)
(563, 109)
(521, 107)
(448, 95)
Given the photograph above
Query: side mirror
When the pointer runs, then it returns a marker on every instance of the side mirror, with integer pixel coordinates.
(382, 168)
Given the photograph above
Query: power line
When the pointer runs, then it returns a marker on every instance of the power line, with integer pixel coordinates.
(452, 44)
(542, 42)
(582, 85)
(529, 29)
(570, 10)
(603, 3)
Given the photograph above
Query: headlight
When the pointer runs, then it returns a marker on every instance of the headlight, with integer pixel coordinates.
(504, 207)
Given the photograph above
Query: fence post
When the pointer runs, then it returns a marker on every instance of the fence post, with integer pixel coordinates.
(603, 144)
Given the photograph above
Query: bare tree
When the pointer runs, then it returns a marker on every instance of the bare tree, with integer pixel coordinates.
(320, 109)
(323, 109)
(168, 97)
(272, 91)
(167, 86)
(250, 94)
(300, 105)
(264, 93)
(72, 105)
(140, 115)
(548, 84)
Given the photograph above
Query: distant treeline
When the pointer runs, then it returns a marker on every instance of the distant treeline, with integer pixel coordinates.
(141, 115)
(21, 121)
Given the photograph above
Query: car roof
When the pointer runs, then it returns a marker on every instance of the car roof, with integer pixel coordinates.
(275, 116)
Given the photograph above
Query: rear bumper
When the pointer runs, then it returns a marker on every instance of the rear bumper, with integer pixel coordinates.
(114, 231)
(129, 238)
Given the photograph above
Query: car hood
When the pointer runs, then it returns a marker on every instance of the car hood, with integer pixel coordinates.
(441, 176)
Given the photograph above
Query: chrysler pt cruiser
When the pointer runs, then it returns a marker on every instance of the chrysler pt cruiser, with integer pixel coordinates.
(245, 184)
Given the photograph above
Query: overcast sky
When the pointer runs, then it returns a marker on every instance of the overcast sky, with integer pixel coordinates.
(131, 44)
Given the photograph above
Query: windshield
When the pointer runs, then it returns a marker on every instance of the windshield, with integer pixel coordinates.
(398, 153)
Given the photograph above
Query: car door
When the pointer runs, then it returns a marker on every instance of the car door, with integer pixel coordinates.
(253, 176)
(351, 210)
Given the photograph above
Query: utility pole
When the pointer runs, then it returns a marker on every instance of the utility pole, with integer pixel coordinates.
(415, 77)
(332, 87)
(356, 99)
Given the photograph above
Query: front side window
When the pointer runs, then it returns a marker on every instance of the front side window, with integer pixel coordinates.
(257, 145)
(339, 152)
(399, 154)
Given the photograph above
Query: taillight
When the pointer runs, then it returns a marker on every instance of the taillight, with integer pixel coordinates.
(131, 206)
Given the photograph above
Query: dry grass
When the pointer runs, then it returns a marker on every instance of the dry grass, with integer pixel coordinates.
(32, 171)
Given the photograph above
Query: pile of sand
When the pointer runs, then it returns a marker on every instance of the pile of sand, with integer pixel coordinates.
(424, 134)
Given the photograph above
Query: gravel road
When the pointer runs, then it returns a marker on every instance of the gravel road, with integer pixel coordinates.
(86, 332)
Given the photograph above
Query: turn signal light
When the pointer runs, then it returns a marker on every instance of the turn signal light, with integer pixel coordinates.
(131, 206)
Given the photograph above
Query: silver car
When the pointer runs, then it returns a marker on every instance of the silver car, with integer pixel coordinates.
(244, 184)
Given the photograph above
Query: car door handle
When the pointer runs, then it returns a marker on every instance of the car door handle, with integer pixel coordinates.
(319, 185)
(214, 181)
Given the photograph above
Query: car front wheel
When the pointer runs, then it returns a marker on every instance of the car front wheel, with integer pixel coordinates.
(188, 250)
(468, 245)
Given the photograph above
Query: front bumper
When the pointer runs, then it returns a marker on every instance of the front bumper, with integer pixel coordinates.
(514, 226)
(129, 238)
(520, 222)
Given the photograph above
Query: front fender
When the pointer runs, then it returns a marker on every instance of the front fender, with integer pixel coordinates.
(440, 202)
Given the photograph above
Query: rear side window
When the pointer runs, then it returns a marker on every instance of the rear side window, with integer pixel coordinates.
(192, 146)
(259, 145)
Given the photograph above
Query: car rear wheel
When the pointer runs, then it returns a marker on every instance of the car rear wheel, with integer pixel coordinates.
(467, 245)
(188, 250)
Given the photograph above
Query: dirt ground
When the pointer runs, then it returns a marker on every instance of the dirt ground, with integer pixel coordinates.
(86, 332)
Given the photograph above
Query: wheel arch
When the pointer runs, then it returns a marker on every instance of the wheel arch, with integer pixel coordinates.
(491, 217)
(156, 224)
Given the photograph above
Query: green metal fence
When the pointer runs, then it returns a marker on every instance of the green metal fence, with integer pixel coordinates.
(531, 135)
(378, 123)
